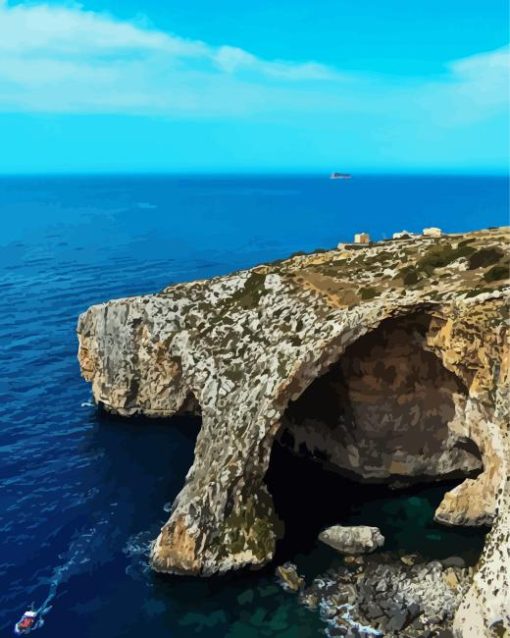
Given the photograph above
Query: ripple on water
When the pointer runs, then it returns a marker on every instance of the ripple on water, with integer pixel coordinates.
(62, 467)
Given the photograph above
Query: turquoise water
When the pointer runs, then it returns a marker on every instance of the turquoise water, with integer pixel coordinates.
(309, 498)
(81, 496)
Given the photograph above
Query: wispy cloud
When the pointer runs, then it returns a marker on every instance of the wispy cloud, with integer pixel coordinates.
(63, 59)
(483, 81)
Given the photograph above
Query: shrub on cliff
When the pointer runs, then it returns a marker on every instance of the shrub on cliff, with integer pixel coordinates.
(485, 257)
(496, 273)
(441, 255)
(409, 275)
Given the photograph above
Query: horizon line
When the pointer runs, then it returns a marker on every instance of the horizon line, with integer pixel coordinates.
(257, 173)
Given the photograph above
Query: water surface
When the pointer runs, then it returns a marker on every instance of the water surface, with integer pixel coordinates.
(82, 496)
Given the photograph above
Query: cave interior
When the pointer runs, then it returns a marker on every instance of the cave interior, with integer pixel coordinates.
(376, 440)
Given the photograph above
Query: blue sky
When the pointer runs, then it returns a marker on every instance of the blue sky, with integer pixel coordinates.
(224, 86)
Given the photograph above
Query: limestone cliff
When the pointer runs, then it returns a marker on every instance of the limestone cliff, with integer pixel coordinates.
(385, 361)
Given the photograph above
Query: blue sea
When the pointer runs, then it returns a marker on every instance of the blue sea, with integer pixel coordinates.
(82, 495)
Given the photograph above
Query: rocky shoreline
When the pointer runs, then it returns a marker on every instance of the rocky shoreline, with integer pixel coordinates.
(389, 362)
(384, 594)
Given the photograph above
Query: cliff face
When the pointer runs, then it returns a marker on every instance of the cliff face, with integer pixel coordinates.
(385, 362)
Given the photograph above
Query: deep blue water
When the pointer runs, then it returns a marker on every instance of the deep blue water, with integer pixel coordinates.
(81, 496)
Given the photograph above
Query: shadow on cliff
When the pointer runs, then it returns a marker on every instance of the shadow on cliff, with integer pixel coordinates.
(387, 409)
(309, 498)
(186, 424)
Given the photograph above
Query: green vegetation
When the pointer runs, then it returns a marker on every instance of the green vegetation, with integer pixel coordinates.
(302, 253)
(249, 296)
(409, 275)
(473, 292)
(382, 257)
(485, 257)
(282, 365)
(235, 373)
(367, 293)
(252, 528)
(441, 255)
(497, 273)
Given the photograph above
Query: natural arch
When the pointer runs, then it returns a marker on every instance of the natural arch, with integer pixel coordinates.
(387, 408)
(388, 376)
(387, 411)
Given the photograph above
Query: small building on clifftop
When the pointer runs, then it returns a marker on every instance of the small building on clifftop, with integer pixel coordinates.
(361, 238)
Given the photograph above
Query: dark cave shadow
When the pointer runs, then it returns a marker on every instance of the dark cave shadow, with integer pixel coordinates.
(187, 425)
(308, 498)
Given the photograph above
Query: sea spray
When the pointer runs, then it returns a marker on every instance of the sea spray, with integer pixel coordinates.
(137, 550)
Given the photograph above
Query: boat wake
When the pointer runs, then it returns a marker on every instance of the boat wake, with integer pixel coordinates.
(74, 559)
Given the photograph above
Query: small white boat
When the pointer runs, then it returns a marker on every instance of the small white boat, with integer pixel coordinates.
(28, 622)
(340, 176)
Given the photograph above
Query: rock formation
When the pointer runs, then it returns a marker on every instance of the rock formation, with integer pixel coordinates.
(384, 596)
(289, 578)
(384, 361)
(359, 539)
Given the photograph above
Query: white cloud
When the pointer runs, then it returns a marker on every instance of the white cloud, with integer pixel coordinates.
(471, 89)
(484, 78)
(232, 59)
(64, 59)
(34, 29)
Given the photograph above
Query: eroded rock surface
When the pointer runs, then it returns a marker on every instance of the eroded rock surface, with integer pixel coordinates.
(407, 338)
(359, 539)
(385, 596)
(289, 578)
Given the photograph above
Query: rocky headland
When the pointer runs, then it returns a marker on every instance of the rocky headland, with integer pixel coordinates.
(387, 362)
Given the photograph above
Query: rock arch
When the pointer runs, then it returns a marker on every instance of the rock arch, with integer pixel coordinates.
(387, 408)
(224, 517)
(249, 343)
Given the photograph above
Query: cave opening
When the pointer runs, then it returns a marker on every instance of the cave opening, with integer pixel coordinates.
(376, 440)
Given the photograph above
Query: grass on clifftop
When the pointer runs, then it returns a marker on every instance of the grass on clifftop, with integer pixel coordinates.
(473, 261)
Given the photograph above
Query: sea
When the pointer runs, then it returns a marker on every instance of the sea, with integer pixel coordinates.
(83, 495)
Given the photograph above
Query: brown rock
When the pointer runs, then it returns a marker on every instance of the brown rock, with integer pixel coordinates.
(408, 379)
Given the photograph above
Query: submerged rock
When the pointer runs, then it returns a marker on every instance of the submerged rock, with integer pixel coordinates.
(389, 362)
(360, 539)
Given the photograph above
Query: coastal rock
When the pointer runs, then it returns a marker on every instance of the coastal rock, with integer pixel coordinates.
(289, 578)
(387, 362)
(388, 599)
(359, 539)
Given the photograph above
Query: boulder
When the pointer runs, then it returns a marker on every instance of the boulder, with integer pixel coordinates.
(289, 578)
(360, 539)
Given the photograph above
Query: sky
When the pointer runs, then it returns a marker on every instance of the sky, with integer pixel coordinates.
(224, 86)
